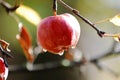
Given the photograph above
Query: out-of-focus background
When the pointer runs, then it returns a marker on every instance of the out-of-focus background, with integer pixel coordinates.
(90, 44)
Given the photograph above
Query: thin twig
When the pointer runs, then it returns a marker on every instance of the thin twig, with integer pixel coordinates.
(43, 66)
(101, 21)
(9, 9)
(76, 12)
(99, 32)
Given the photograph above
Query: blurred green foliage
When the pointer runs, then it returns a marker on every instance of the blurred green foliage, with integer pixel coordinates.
(94, 10)
(90, 43)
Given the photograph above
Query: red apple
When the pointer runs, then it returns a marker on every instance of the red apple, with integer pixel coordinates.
(58, 33)
(3, 70)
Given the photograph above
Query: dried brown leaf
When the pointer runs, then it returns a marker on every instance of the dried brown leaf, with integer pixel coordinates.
(25, 41)
(4, 48)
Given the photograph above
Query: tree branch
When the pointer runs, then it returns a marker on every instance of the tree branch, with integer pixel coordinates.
(8, 7)
(76, 12)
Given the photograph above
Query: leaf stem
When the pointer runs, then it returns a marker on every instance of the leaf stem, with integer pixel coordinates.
(101, 21)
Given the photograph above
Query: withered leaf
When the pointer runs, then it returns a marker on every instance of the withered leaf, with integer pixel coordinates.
(117, 38)
(29, 14)
(4, 48)
(25, 41)
(115, 20)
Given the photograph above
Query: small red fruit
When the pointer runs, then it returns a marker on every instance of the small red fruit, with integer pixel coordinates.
(3, 70)
(58, 33)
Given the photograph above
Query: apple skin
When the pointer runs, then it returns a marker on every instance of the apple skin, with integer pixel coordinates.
(2, 65)
(58, 33)
(3, 70)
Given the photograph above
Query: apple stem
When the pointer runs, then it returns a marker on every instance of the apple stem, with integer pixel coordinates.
(76, 12)
(55, 7)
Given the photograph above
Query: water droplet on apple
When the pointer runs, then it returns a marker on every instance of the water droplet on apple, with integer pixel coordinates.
(61, 53)
(73, 47)
(44, 50)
